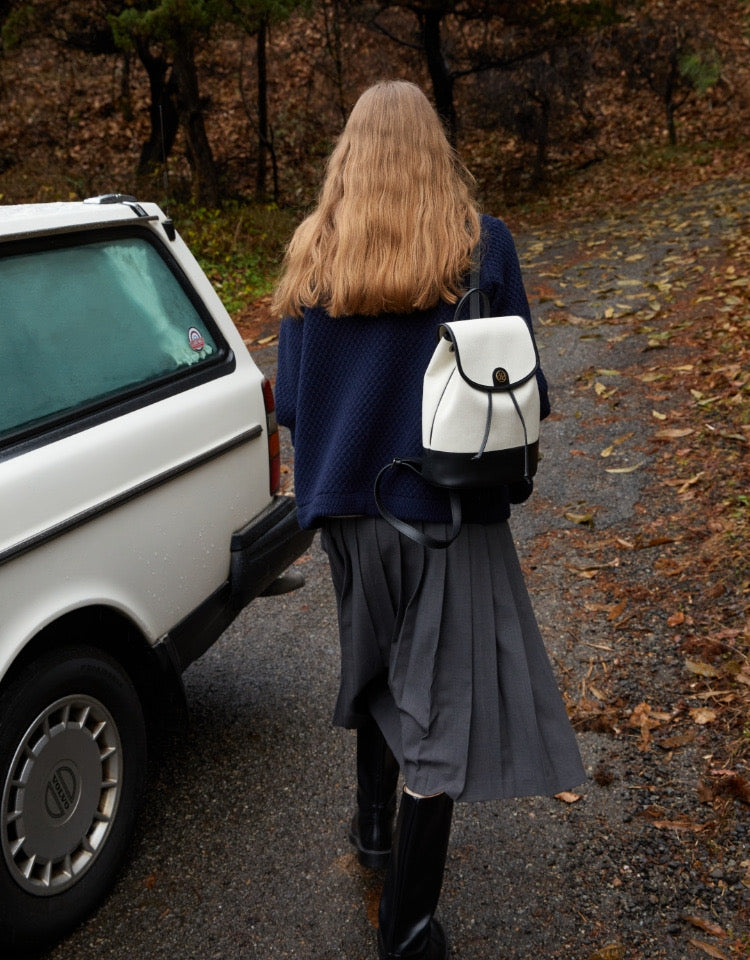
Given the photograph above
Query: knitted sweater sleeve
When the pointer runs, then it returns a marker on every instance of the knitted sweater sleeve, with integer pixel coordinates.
(288, 372)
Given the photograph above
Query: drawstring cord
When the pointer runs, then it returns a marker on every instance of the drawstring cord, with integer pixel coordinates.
(480, 452)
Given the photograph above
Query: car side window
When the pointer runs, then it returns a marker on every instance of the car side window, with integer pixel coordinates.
(80, 324)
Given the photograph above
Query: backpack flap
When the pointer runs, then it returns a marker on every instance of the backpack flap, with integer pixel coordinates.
(480, 404)
(492, 353)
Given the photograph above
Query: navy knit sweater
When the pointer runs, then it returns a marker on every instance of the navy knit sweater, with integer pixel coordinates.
(350, 391)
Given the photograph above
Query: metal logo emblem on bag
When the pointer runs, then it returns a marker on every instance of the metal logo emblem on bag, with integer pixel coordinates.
(500, 375)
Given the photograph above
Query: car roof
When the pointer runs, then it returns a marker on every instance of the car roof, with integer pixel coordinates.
(32, 219)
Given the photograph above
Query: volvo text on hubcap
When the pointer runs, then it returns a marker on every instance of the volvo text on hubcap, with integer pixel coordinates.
(61, 794)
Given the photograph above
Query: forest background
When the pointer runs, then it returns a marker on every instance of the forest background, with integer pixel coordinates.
(569, 113)
(240, 100)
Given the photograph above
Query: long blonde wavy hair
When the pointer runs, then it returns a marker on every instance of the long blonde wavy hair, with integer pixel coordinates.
(395, 223)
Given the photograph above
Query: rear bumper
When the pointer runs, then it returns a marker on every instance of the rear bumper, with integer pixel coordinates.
(260, 553)
(263, 549)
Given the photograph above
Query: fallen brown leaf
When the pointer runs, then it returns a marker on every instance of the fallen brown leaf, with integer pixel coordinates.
(617, 610)
(702, 715)
(611, 951)
(689, 825)
(705, 792)
(632, 469)
(690, 482)
(673, 433)
(732, 784)
(646, 719)
(657, 542)
(679, 740)
(710, 950)
(702, 669)
(567, 796)
(604, 392)
(586, 519)
(708, 925)
(670, 567)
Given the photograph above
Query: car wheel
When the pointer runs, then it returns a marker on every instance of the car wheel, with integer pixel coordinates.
(72, 769)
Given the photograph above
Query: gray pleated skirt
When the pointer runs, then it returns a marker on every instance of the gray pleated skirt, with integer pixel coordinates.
(442, 648)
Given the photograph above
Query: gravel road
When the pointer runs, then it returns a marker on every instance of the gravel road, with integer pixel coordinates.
(242, 853)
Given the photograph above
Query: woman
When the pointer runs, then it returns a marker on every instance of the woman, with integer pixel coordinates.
(443, 671)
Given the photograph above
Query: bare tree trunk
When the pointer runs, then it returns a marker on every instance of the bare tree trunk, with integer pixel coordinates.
(542, 142)
(263, 137)
(669, 98)
(332, 24)
(122, 75)
(205, 178)
(162, 112)
(442, 81)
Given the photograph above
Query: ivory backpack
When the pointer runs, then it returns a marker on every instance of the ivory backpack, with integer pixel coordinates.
(480, 410)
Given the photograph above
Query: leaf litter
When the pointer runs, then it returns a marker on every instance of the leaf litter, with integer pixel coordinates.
(668, 593)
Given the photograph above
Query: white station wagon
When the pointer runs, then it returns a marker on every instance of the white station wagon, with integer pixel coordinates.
(139, 513)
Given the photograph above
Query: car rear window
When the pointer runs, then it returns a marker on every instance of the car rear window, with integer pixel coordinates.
(80, 324)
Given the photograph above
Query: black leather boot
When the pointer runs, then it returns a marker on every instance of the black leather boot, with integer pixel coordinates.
(410, 896)
(377, 775)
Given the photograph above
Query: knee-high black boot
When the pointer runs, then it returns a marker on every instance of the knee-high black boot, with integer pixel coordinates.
(377, 775)
(410, 896)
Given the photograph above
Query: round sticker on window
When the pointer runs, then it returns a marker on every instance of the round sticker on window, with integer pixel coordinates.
(195, 339)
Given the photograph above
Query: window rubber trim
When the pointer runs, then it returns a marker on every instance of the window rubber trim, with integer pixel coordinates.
(133, 493)
(68, 423)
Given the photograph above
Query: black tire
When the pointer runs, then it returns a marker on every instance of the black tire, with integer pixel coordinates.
(72, 772)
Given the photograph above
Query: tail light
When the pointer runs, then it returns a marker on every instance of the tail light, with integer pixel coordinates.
(272, 431)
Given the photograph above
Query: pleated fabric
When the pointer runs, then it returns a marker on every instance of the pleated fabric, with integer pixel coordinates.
(443, 649)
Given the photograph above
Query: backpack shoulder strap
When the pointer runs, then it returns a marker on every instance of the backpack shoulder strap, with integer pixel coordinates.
(476, 297)
(407, 529)
(475, 293)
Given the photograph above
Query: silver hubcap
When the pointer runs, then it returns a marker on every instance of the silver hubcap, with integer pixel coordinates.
(61, 794)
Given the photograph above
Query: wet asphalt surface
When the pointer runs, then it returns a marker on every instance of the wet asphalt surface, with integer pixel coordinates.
(242, 851)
